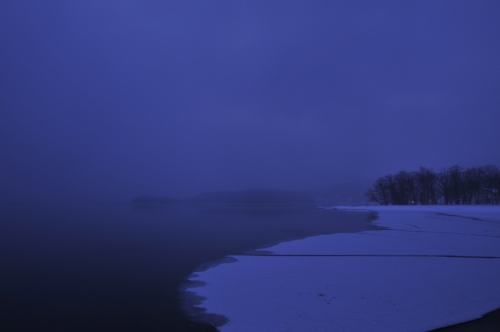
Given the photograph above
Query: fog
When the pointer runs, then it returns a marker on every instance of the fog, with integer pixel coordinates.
(104, 100)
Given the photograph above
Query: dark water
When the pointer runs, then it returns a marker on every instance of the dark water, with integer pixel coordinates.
(108, 268)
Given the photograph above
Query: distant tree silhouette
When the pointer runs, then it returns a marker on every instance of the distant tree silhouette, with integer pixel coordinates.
(472, 179)
(453, 185)
(491, 183)
(455, 174)
(426, 184)
(379, 192)
(444, 185)
(405, 188)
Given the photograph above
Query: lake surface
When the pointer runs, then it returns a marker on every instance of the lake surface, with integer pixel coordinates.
(110, 268)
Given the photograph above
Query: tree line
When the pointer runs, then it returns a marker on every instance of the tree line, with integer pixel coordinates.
(452, 185)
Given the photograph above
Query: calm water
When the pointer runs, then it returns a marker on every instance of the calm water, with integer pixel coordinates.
(108, 268)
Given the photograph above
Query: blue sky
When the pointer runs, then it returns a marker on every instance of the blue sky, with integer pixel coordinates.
(104, 100)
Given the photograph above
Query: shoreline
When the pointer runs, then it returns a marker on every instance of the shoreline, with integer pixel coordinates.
(129, 263)
(342, 223)
(411, 256)
(488, 322)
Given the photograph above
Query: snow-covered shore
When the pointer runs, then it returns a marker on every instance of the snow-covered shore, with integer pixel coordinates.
(434, 266)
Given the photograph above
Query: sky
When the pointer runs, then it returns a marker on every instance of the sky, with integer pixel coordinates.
(104, 100)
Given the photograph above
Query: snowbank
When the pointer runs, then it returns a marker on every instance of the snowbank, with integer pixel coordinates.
(435, 266)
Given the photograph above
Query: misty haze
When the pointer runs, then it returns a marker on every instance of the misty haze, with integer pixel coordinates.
(143, 142)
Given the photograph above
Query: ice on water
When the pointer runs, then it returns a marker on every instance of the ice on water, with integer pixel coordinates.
(434, 266)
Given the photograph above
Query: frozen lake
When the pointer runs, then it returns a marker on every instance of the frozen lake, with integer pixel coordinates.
(432, 267)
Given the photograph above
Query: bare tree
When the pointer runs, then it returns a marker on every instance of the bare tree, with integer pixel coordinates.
(444, 185)
(456, 182)
(379, 192)
(405, 188)
(453, 185)
(491, 184)
(472, 179)
(426, 186)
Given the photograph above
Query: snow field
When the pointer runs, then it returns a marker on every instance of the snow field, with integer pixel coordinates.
(434, 267)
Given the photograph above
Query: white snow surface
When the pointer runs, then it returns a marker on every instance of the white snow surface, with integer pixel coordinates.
(434, 266)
